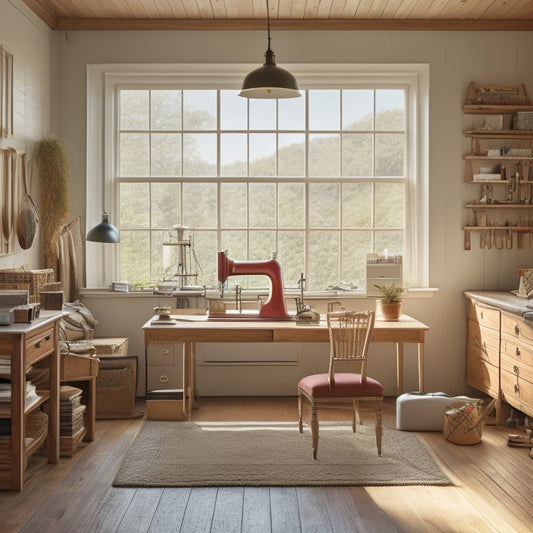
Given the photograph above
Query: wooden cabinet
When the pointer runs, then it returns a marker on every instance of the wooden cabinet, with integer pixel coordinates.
(500, 162)
(29, 350)
(517, 362)
(499, 357)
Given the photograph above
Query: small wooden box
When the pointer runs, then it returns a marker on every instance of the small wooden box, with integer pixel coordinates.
(164, 410)
(111, 345)
(52, 300)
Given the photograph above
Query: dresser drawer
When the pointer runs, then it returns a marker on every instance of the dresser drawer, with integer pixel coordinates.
(483, 343)
(516, 350)
(517, 391)
(40, 343)
(163, 377)
(482, 375)
(518, 328)
(162, 354)
(484, 316)
(517, 368)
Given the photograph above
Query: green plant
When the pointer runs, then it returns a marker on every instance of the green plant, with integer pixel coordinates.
(390, 293)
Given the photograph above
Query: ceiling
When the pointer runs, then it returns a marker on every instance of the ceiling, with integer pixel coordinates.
(285, 14)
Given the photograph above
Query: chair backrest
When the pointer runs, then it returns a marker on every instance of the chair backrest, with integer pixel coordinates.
(349, 339)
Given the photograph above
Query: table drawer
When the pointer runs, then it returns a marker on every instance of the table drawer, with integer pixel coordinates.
(162, 354)
(40, 343)
(517, 368)
(484, 316)
(518, 328)
(163, 377)
(484, 343)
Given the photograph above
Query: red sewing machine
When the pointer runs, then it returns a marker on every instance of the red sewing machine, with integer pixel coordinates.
(274, 307)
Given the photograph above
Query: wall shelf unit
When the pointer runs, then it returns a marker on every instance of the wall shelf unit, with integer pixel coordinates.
(500, 161)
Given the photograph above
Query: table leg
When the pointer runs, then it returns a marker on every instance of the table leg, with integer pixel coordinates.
(91, 410)
(399, 367)
(421, 367)
(187, 383)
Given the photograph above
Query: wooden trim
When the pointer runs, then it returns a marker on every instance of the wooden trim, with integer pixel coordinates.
(40, 8)
(62, 23)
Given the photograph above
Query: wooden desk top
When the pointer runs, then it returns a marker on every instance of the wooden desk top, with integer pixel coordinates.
(198, 328)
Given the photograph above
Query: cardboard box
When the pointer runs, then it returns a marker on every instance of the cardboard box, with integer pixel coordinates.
(164, 410)
(111, 345)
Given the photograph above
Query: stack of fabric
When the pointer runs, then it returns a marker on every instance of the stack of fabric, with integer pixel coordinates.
(71, 425)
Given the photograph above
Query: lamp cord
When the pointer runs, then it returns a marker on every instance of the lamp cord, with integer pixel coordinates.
(268, 25)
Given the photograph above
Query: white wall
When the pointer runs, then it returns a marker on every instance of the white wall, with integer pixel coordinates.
(455, 59)
(30, 42)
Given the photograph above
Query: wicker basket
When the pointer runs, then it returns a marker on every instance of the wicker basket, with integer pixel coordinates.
(33, 280)
(464, 425)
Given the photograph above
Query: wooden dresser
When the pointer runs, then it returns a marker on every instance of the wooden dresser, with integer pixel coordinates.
(499, 354)
(29, 350)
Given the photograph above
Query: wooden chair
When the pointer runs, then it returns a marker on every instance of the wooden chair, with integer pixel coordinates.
(349, 334)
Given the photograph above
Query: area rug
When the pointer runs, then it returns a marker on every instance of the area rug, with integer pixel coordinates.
(201, 454)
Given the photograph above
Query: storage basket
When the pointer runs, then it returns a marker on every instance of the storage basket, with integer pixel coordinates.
(34, 281)
(464, 425)
(116, 386)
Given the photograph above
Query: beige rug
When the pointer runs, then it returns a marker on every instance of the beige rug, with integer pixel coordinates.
(190, 454)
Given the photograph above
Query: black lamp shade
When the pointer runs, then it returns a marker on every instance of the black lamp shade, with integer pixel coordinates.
(270, 81)
(104, 232)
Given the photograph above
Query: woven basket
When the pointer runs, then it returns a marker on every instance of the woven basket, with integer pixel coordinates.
(464, 425)
(33, 280)
(115, 388)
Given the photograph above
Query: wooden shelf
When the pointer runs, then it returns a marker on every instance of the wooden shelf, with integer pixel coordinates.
(499, 206)
(474, 109)
(500, 134)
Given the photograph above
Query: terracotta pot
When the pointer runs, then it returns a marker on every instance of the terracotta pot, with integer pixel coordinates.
(388, 311)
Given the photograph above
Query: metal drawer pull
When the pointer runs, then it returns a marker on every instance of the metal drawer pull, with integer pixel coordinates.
(164, 352)
(38, 343)
(163, 379)
(517, 329)
(516, 370)
(517, 389)
(517, 351)
(481, 315)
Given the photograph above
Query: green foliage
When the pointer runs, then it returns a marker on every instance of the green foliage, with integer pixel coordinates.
(390, 293)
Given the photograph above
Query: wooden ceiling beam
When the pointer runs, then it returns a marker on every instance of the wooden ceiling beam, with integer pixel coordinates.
(290, 24)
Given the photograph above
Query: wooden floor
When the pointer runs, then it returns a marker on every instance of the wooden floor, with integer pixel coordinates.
(493, 490)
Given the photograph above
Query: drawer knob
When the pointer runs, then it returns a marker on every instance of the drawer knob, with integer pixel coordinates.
(517, 330)
(163, 379)
(516, 370)
(517, 351)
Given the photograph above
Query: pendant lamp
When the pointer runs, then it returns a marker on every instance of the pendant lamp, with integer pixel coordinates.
(104, 232)
(269, 81)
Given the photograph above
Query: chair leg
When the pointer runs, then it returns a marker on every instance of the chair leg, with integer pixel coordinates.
(355, 416)
(314, 429)
(300, 421)
(379, 429)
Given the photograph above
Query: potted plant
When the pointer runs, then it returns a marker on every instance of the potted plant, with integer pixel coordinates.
(389, 306)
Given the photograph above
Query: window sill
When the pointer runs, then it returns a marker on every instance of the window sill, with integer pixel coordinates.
(410, 294)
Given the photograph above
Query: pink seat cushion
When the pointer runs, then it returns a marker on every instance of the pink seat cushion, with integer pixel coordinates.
(345, 385)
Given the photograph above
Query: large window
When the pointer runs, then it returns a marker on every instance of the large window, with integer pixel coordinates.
(320, 180)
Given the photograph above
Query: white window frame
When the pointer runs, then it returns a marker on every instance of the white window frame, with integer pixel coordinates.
(103, 79)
